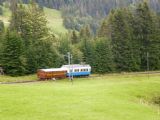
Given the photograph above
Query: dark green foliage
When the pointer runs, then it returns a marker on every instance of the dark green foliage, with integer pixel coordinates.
(12, 58)
(76, 55)
(122, 42)
(2, 31)
(154, 46)
(41, 55)
(103, 32)
(87, 46)
(64, 47)
(1, 26)
(65, 44)
(147, 33)
(74, 37)
(1, 11)
(39, 48)
(133, 35)
(103, 56)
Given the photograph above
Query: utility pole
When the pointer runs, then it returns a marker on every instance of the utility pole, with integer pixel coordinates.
(69, 63)
(70, 69)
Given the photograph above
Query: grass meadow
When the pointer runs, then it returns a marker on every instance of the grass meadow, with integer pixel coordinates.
(105, 97)
(54, 18)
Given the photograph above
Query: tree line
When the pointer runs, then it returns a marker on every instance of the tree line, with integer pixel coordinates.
(127, 39)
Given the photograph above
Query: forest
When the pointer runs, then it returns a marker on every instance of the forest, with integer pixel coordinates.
(127, 39)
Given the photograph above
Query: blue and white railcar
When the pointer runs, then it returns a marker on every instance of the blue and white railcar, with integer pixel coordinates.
(77, 70)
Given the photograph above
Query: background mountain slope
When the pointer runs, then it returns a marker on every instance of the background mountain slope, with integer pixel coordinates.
(55, 21)
(77, 13)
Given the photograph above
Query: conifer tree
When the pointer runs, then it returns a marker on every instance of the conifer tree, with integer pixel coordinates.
(74, 37)
(154, 45)
(87, 46)
(122, 41)
(1, 26)
(104, 62)
(146, 32)
(32, 26)
(12, 57)
(2, 31)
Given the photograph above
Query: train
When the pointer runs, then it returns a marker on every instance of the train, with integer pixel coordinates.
(75, 70)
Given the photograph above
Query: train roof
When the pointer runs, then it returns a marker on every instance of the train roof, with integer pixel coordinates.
(53, 70)
(76, 66)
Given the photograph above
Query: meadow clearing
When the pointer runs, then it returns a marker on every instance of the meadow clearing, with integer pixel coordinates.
(53, 17)
(105, 97)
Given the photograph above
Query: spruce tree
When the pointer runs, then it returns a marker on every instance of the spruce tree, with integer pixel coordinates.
(147, 33)
(74, 37)
(154, 45)
(122, 41)
(38, 42)
(104, 62)
(87, 46)
(12, 58)
(1, 26)
(2, 32)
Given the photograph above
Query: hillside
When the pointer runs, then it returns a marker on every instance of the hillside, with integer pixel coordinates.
(77, 13)
(57, 4)
(6, 15)
(55, 21)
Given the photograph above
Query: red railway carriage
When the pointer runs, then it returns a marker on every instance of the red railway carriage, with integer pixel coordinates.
(51, 73)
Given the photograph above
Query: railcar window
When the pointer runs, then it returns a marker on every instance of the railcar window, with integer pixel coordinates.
(76, 70)
(84, 70)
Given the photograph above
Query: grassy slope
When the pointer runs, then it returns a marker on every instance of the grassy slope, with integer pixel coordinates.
(6, 16)
(101, 98)
(18, 79)
(55, 21)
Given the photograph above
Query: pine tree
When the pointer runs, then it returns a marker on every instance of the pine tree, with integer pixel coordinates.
(154, 45)
(103, 56)
(74, 37)
(77, 55)
(1, 26)
(13, 60)
(87, 46)
(32, 26)
(88, 31)
(122, 41)
(2, 32)
(146, 32)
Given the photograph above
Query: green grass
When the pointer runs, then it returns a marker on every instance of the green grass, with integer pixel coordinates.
(54, 18)
(109, 97)
(6, 16)
(55, 21)
(18, 79)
